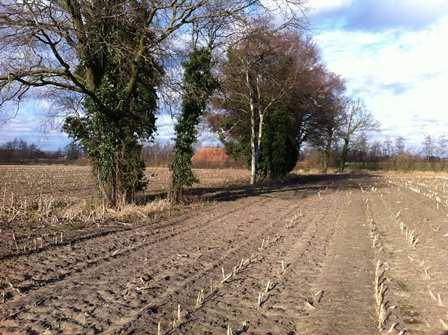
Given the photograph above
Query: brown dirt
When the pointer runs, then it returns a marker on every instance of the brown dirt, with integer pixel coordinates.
(32, 181)
(305, 248)
(44, 204)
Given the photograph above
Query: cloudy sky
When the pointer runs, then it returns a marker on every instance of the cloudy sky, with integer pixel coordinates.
(392, 53)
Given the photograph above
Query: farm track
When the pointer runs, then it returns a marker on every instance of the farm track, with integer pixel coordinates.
(237, 300)
(297, 259)
(347, 274)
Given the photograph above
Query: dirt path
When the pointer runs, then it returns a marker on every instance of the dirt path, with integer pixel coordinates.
(298, 259)
(347, 277)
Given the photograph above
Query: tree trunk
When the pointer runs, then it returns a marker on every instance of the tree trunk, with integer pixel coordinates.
(253, 146)
(327, 155)
(344, 155)
(326, 158)
(176, 195)
(260, 135)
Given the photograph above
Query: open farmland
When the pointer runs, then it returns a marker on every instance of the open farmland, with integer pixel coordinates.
(28, 181)
(40, 205)
(348, 254)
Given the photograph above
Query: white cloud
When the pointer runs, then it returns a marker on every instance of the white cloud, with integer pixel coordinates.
(399, 75)
(317, 6)
(378, 15)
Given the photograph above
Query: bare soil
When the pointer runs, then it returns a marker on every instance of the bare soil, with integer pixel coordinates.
(297, 258)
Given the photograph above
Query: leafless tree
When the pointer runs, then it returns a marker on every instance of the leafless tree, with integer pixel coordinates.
(400, 145)
(327, 119)
(428, 147)
(387, 147)
(355, 120)
(442, 146)
(42, 42)
(55, 48)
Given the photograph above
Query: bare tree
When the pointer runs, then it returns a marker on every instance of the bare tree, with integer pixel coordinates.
(442, 146)
(400, 145)
(42, 42)
(387, 147)
(356, 120)
(67, 48)
(327, 119)
(428, 147)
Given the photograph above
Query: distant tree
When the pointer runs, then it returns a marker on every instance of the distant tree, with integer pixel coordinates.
(326, 123)
(388, 147)
(19, 150)
(442, 146)
(73, 151)
(355, 121)
(158, 154)
(400, 145)
(428, 148)
(359, 149)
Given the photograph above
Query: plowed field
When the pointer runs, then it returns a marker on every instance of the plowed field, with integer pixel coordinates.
(324, 255)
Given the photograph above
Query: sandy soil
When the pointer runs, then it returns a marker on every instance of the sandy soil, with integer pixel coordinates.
(20, 182)
(308, 257)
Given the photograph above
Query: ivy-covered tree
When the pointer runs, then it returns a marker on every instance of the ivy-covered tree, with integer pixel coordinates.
(122, 112)
(105, 53)
(278, 148)
(198, 85)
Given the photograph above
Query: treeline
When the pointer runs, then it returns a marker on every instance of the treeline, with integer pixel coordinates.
(396, 154)
(161, 155)
(387, 154)
(19, 151)
(158, 154)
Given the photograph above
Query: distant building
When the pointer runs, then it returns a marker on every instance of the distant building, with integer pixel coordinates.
(210, 157)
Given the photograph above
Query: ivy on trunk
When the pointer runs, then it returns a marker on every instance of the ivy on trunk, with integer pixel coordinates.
(198, 85)
(122, 112)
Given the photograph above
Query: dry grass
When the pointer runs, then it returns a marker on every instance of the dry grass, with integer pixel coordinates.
(129, 212)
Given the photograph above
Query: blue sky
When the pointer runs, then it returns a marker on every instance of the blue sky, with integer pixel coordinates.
(392, 53)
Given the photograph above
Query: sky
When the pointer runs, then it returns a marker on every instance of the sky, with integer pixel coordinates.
(392, 53)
